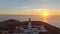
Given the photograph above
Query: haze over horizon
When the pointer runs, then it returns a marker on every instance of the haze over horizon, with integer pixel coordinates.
(29, 7)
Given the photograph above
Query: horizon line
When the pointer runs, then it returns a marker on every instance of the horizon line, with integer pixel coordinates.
(27, 15)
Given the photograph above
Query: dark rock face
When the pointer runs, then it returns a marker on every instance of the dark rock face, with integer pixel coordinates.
(12, 23)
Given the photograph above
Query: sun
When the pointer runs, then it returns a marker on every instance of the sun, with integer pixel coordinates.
(45, 14)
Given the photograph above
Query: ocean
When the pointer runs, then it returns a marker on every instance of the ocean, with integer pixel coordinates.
(53, 20)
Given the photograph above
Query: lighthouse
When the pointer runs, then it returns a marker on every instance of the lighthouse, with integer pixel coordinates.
(29, 24)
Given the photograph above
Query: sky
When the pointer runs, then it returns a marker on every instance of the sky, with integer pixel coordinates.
(29, 7)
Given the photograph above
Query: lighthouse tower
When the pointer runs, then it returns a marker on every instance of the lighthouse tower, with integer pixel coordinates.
(29, 24)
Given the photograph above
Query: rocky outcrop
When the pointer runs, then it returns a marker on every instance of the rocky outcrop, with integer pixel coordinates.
(12, 23)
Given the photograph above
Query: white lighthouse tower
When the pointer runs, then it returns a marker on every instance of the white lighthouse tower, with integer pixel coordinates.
(29, 24)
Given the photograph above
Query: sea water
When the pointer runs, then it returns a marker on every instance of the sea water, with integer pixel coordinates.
(53, 20)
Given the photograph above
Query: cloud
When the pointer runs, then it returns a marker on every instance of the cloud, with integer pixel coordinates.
(43, 0)
(32, 10)
(24, 7)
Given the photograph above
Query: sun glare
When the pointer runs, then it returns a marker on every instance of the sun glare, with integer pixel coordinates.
(45, 14)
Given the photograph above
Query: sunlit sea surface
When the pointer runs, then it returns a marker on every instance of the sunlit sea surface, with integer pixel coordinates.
(53, 20)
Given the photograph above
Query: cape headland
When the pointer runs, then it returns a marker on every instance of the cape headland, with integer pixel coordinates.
(37, 27)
